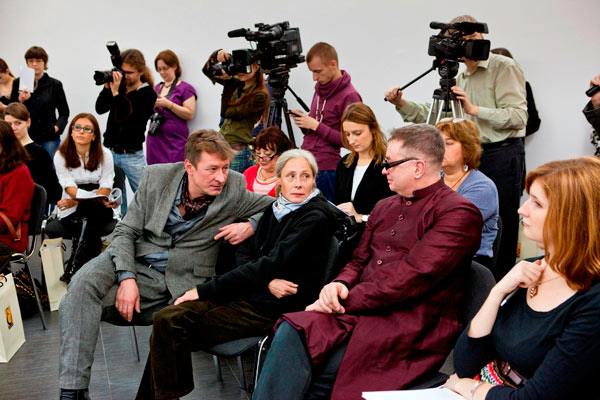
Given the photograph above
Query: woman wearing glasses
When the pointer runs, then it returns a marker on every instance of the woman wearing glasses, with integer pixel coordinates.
(85, 169)
(268, 145)
(461, 159)
(359, 183)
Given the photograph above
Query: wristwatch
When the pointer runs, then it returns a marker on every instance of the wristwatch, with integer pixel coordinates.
(364, 218)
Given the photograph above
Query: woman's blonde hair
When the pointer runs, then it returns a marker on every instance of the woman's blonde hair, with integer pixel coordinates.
(572, 224)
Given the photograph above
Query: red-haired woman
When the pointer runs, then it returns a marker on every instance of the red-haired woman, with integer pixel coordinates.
(536, 335)
(85, 168)
(244, 102)
(16, 192)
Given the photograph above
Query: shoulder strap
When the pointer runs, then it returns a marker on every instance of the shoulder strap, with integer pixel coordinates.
(16, 235)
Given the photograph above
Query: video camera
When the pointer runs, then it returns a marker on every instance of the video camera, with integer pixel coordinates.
(449, 45)
(278, 47)
(102, 77)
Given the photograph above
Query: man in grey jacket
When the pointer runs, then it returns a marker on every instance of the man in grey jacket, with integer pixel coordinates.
(167, 244)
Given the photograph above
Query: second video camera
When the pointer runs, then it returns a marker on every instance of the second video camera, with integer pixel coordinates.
(102, 77)
(450, 45)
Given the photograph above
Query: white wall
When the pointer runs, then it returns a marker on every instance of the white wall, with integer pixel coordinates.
(381, 43)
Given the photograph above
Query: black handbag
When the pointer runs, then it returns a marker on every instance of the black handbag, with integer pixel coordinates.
(157, 119)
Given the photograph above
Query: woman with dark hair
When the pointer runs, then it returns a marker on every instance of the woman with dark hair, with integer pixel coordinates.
(85, 170)
(176, 104)
(461, 159)
(16, 192)
(40, 163)
(359, 183)
(6, 81)
(244, 102)
(536, 335)
(43, 101)
(268, 146)
(129, 107)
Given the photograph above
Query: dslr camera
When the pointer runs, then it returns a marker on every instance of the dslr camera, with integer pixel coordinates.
(449, 45)
(102, 77)
(278, 48)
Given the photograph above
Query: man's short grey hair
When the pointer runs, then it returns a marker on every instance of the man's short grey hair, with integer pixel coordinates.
(463, 18)
(423, 139)
(296, 153)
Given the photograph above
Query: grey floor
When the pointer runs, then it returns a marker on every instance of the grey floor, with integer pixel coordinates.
(32, 373)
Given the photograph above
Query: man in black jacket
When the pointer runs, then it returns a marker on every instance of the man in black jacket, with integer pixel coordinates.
(592, 114)
(129, 100)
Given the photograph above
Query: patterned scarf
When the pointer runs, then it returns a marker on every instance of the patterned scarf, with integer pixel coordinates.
(193, 207)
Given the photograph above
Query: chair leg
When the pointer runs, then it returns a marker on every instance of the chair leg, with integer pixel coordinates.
(136, 349)
(37, 297)
(242, 375)
(257, 363)
(217, 363)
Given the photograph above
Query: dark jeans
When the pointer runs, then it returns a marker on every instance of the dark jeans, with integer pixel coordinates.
(326, 183)
(288, 373)
(187, 327)
(504, 166)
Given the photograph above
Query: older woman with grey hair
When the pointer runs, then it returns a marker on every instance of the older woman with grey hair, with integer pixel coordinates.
(279, 270)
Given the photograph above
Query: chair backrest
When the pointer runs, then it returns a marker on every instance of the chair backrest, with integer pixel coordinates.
(38, 204)
(496, 245)
(480, 282)
(332, 267)
(119, 181)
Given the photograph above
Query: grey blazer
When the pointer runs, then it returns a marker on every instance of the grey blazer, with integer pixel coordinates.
(193, 255)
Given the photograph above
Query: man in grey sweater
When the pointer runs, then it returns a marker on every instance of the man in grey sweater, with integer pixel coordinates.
(167, 244)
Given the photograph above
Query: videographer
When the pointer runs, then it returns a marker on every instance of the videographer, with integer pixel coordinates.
(492, 93)
(129, 100)
(321, 127)
(244, 102)
(592, 113)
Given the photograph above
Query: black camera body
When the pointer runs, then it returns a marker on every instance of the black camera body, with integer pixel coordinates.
(240, 61)
(449, 45)
(278, 47)
(102, 77)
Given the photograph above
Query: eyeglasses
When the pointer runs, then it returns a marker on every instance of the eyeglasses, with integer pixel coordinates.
(264, 157)
(85, 129)
(387, 165)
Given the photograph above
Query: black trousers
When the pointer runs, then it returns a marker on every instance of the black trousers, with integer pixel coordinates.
(505, 166)
(187, 327)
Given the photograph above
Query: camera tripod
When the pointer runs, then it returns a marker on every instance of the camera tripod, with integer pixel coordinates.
(278, 81)
(444, 100)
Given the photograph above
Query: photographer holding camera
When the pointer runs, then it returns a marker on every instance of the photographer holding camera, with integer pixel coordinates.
(244, 102)
(492, 94)
(129, 99)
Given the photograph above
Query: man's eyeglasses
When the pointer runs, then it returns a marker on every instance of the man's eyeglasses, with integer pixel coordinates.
(264, 157)
(387, 165)
(85, 129)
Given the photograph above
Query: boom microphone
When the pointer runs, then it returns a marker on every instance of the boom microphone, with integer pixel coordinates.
(237, 33)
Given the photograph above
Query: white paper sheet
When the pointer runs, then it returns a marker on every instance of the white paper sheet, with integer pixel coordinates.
(423, 394)
(26, 77)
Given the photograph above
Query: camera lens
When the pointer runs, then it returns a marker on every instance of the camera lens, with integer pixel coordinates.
(102, 77)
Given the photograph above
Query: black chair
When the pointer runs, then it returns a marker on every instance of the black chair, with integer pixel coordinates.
(38, 205)
(54, 228)
(236, 348)
(496, 245)
(478, 288)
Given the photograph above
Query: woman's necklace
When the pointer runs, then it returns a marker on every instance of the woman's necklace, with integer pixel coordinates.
(460, 179)
(533, 291)
(262, 178)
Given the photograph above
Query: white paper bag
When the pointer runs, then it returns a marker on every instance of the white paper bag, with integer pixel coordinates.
(53, 266)
(12, 335)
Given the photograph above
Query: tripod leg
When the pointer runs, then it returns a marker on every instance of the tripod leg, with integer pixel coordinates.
(288, 123)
